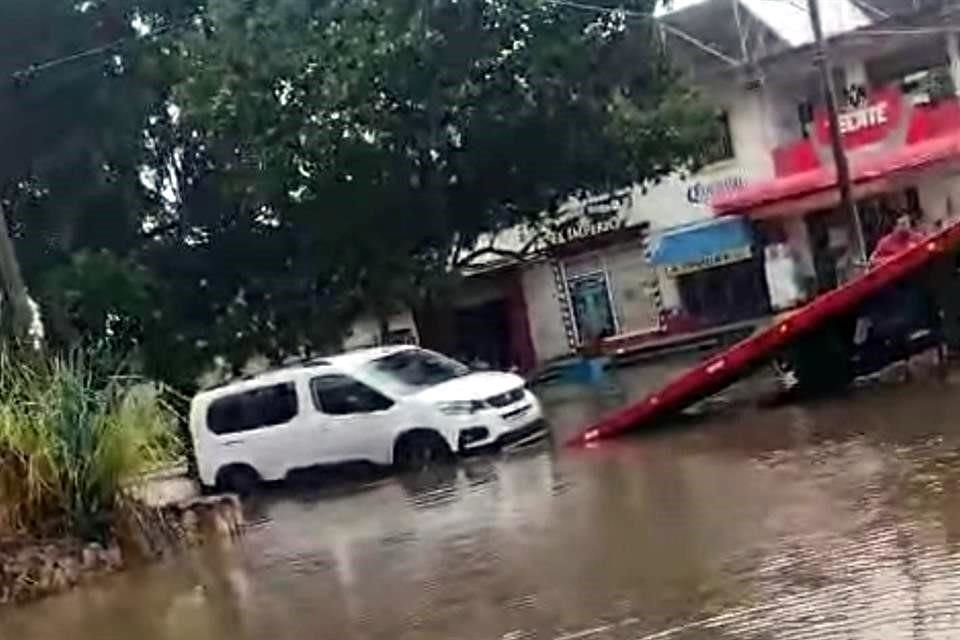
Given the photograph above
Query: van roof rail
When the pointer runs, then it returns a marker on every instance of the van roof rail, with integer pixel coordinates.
(308, 361)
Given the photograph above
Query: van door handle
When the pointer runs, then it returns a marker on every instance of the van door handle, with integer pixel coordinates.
(232, 443)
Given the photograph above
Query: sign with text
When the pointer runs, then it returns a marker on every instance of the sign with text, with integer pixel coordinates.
(703, 192)
(585, 229)
(710, 262)
(872, 121)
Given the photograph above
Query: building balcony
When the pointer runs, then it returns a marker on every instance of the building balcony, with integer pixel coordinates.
(885, 122)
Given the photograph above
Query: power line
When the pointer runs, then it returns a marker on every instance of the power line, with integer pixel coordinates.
(891, 31)
(34, 69)
(793, 3)
(868, 7)
(53, 63)
(683, 35)
(80, 55)
(907, 31)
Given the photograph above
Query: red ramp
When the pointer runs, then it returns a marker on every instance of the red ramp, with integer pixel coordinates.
(720, 371)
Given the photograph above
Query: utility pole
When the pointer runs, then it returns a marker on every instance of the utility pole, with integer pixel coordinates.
(847, 203)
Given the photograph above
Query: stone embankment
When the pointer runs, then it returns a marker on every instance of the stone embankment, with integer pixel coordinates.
(33, 569)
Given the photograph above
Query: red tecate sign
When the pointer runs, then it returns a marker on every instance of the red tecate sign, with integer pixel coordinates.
(866, 124)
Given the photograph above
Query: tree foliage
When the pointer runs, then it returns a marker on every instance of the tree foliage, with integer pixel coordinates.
(387, 138)
(243, 177)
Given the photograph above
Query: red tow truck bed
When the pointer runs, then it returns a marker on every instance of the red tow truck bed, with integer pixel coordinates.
(722, 370)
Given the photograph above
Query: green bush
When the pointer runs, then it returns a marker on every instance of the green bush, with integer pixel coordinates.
(74, 436)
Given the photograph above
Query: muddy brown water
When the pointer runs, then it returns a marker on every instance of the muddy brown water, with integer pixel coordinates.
(839, 519)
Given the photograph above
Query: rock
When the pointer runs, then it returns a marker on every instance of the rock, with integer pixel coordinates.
(233, 511)
(59, 580)
(113, 557)
(91, 557)
(191, 527)
(46, 573)
(31, 570)
(71, 569)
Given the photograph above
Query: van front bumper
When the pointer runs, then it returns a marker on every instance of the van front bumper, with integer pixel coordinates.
(503, 427)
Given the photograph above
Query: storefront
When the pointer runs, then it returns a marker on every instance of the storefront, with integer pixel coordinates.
(490, 326)
(714, 271)
(905, 159)
(593, 283)
(608, 286)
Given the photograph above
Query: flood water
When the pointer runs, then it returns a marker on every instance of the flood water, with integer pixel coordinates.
(839, 519)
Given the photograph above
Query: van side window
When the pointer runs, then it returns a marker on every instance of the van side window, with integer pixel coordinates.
(265, 407)
(339, 395)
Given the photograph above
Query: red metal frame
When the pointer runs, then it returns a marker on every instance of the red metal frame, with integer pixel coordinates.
(726, 368)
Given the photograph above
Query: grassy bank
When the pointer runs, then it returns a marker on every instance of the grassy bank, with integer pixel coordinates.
(74, 433)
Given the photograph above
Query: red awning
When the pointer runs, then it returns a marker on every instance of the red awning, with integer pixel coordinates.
(815, 189)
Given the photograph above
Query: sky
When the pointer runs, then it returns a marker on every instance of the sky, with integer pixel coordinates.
(789, 18)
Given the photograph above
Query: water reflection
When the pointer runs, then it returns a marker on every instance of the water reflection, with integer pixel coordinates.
(835, 519)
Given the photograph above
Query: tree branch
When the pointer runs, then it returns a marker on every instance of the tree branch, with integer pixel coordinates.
(519, 255)
(504, 253)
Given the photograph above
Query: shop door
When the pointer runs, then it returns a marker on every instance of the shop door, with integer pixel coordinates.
(590, 297)
(824, 256)
(483, 335)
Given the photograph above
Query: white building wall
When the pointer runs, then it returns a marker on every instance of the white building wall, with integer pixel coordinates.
(752, 131)
(798, 239)
(939, 196)
(669, 291)
(365, 331)
(682, 200)
(545, 312)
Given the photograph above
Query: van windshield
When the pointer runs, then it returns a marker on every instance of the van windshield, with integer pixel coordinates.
(407, 372)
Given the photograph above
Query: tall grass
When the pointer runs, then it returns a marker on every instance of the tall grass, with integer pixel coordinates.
(73, 436)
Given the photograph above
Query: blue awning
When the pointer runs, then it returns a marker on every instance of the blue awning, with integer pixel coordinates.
(702, 245)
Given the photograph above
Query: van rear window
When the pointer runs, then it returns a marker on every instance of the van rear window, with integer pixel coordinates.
(264, 407)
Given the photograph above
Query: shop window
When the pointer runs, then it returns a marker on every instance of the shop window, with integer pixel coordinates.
(590, 298)
(483, 335)
(726, 294)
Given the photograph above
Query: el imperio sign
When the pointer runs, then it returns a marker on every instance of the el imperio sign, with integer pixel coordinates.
(585, 229)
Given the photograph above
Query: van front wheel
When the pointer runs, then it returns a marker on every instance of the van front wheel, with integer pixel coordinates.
(240, 479)
(419, 450)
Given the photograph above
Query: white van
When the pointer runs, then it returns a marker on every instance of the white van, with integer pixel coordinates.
(400, 406)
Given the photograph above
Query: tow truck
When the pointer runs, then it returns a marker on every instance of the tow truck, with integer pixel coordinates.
(887, 313)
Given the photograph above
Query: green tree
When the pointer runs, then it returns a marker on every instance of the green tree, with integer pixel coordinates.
(377, 141)
(226, 178)
(78, 110)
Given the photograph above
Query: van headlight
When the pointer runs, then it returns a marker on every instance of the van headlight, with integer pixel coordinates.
(461, 407)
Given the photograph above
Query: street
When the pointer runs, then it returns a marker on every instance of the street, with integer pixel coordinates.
(834, 519)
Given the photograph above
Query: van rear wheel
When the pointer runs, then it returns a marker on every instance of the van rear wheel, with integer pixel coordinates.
(420, 450)
(239, 479)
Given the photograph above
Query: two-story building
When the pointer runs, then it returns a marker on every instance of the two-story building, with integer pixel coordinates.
(897, 74)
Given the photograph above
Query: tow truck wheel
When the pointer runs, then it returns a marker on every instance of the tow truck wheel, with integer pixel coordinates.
(820, 363)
